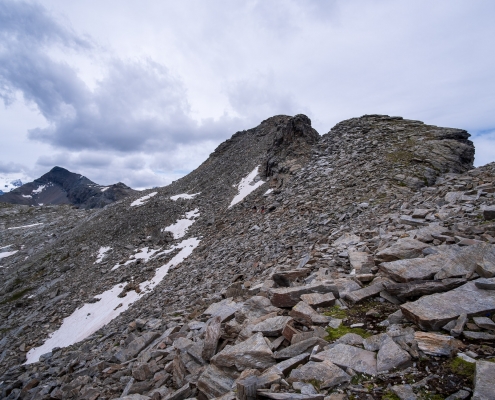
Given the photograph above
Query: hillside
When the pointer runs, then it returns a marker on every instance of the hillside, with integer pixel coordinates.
(353, 265)
(60, 186)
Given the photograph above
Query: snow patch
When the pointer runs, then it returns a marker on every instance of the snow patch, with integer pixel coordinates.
(104, 188)
(180, 228)
(246, 186)
(39, 190)
(268, 192)
(28, 196)
(142, 200)
(8, 253)
(101, 254)
(26, 226)
(90, 317)
(184, 196)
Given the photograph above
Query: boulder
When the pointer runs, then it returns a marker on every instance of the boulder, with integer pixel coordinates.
(306, 346)
(402, 249)
(215, 382)
(436, 344)
(390, 355)
(316, 300)
(434, 311)
(252, 353)
(289, 297)
(325, 372)
(345, 356)
(272, 326)
(306, 315)
(483, 380)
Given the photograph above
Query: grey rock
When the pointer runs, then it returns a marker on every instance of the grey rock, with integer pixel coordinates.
(404, 392)
(304, 346)
(325, 372)
(306, 315)
(350, 357)
(436, 344)
(484, 322)
(489, 212)
(316, 300)
(215, 382)
(390, 355)
(272, 326)
(485, 283)
(483, 380)
(402, 249)
(252, 353)
(289, 297)
(434, 311)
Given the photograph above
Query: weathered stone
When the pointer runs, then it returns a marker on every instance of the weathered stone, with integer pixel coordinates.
(252, 353)
(361, 262)
(460, 395)
(136, 346)
(351, 339)
(485, 283)
(434, 311)
(406, 219)
(212, 334)
(285, 278)
(299, 337)
(390, 355)
(364, 293)
(185, 392)
(484, 322)
(272, 326)
(486, 266)
(412, 270)
(478, 335)
(306, 315)
(422, 288)
(402, 249)
(255, 307)
(289, 297)
(483, 380)
(325, 372)
(489, 212)
(141, 372)
(345, 356)
(316, 300)
(215, 382)
(225, 309)
(437, 345)
(299, 348)
(404, 392)
(457, 329)
(289, 396)
(284, 367)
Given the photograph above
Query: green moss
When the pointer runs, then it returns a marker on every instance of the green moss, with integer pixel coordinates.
(334, 334)
(388, 395)
(461, 367)
(316, 383)
(336, 312)
(16, 296)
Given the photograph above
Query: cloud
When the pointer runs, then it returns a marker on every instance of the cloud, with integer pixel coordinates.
(484, 143)
(9, 167)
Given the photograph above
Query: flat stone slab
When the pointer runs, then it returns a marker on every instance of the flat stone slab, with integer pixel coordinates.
(486, 283)
(306, 346)
(361, 261)
(345, 356)
(252, 353)
(316, 300)
(225, 309)
(289, 396)
(484, 322)
(214, 382)
(402, 249)
(306, 315)
(289, 297)
(390, 355)
(484, 379)
(434, 311)
(325, 372)
(435, 344)
(364, 293)
(272, 326)
(478, 335)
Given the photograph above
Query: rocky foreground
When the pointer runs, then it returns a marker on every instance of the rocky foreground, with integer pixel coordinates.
(363, 268)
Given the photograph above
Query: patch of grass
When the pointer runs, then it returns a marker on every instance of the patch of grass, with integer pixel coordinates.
(359, 378)
(334, 334)
(336, 312)
(461, 367)
(15, 296)
(316, 383)
(389, 395)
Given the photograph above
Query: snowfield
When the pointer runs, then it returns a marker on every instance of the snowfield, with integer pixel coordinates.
(184, 196)
(26, 226)
(8, 253)
(246, 186)
(180, 228)
(142, 200)
(101, 254)
(90, 317)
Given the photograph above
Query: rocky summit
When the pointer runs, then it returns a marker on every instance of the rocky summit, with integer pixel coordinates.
(359, 264)
(59, 186)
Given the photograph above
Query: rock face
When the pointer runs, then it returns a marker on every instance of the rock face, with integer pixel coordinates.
(338, 251)
(59, 186)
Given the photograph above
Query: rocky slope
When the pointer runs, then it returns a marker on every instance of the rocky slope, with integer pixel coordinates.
(59, 186)
(287, 266)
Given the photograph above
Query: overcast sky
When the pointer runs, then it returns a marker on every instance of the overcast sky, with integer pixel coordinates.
(143, 91)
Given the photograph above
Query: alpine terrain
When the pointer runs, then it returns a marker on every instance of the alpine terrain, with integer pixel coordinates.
(59, 186)
(359, 264)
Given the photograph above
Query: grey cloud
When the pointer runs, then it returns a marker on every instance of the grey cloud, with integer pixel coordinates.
(138, 106)
(8, 167)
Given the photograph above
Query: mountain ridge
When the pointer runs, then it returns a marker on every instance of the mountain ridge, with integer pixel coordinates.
(180, 293)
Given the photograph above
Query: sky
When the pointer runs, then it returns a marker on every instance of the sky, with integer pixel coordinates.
(142, 92)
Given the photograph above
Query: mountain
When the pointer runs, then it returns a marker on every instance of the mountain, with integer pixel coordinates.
(8, 183)
(357, 264)
(60, 186)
